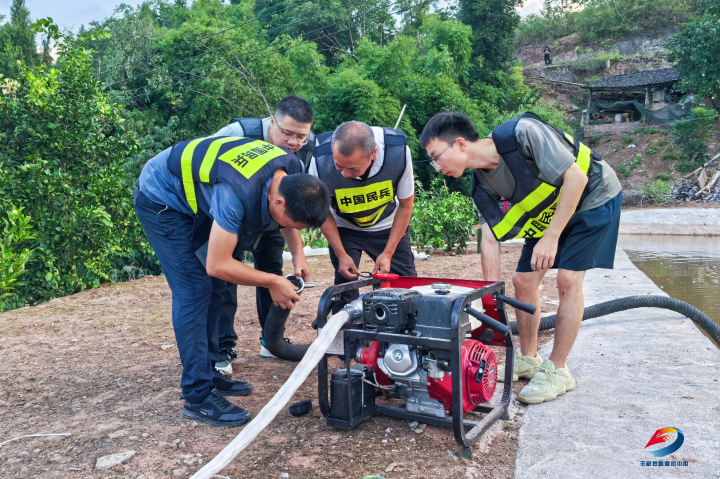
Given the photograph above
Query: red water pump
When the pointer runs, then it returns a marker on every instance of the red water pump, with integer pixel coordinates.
(426, 342)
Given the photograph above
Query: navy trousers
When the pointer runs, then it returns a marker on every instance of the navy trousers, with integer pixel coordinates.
(195, 321)
(268, 258)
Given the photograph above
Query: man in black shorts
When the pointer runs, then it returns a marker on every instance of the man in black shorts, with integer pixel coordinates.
(565, 203)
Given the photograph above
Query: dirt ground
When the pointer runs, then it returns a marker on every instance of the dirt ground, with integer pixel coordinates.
(103, 366)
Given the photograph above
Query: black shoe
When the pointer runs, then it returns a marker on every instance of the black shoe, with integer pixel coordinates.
(225, 385)
(216, 411)
(225, 361)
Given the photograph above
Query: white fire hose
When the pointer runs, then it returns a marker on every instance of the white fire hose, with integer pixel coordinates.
(315, 353)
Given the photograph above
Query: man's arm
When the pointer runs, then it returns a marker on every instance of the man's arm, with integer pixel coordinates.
(399, 226)
(489, 254)
(346, 266)
(293, 238)
(221, 264)
(574, 181)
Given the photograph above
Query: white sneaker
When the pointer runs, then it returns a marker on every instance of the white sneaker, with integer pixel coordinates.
(225, 363)
(264, 353)
(523, 366)
(547, 384)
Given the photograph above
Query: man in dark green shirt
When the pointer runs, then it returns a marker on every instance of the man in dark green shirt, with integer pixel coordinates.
(565, 203)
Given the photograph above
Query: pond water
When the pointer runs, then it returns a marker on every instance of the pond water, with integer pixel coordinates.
(685, 267)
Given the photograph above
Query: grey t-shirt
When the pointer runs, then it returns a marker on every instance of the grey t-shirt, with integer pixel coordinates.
(548, 156)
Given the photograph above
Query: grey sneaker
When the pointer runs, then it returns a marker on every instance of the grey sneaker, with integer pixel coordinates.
(523, 366)
(226, 360)
(547, 384)
(264, 352)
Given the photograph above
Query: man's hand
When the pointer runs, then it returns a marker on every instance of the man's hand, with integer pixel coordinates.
(544, 252)
(347, 268)
(283, 293)
(302, 269)
(382, 263)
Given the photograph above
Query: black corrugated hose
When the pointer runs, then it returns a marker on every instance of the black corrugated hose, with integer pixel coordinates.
(633, 302)
(274, 332)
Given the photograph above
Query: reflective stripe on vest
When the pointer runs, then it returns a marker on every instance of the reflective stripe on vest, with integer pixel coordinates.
(535, 226)
(247, 159)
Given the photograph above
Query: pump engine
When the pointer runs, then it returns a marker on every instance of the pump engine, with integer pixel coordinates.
(417, 374)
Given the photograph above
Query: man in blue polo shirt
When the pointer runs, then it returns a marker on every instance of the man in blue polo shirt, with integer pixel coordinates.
(202, 203)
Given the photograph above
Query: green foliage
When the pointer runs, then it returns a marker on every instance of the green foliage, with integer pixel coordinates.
(13, 254)
(658, 193)
(696, 52)
(627, 139)
(651, 150)
(17, 42)
(685, 167)
(602, 21)
(692, 135)
(442, 219)
(661, 142)
(664, 177)
(669, 155)
(647, 131)
(313, 238)
(62, 154)
(626, 168)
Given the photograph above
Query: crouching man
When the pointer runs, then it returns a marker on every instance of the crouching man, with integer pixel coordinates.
(370, 176)
(206, 200)
(565, 203)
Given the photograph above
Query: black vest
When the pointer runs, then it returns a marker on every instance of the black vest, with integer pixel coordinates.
(534, 201)
(245, 164)
(253, 128)
(364, 202)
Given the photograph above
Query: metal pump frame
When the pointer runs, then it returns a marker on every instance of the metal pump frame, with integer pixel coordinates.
(466, 432)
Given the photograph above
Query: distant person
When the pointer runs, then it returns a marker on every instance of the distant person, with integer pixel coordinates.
(565, 204)
(546, 52)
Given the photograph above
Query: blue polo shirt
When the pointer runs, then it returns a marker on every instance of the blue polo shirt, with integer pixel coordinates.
(219, 201)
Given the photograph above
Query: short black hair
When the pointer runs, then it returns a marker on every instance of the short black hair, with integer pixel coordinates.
(296, 108)
(307, 199)
(448, 126)
(352, 135)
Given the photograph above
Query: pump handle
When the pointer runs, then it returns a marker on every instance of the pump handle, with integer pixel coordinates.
(528, 308)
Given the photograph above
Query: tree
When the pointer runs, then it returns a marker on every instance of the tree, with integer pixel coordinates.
(696, 52)
(17, 41)
(62, 152)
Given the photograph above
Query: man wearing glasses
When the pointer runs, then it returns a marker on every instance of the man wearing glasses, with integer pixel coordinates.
(289, 127)
(565, 204)
(370, 175)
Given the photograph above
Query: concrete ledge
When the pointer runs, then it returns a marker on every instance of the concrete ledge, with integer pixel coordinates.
(637, 371)
(672, 216)
(684, 230)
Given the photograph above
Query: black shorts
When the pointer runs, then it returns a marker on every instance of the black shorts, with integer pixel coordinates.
(588, 241)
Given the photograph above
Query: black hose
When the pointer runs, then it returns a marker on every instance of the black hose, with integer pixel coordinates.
(632, 302)
(274, 336)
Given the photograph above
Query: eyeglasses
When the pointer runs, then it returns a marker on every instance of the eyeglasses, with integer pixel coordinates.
(290, 136)
(434, 161)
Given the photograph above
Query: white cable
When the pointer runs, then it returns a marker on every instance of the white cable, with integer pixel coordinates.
(375, 384)
(34, 435)
(313, 356)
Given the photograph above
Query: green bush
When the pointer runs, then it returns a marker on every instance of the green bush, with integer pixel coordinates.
(651, 150)
(661, 142)
(658, 193)
(627, 139)
(692, 136)
(442, 219)
(669, 155)
(13, 254)
(626, 168)
(664, 177)
(62, 154)
(686, 167)
(647, 131)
